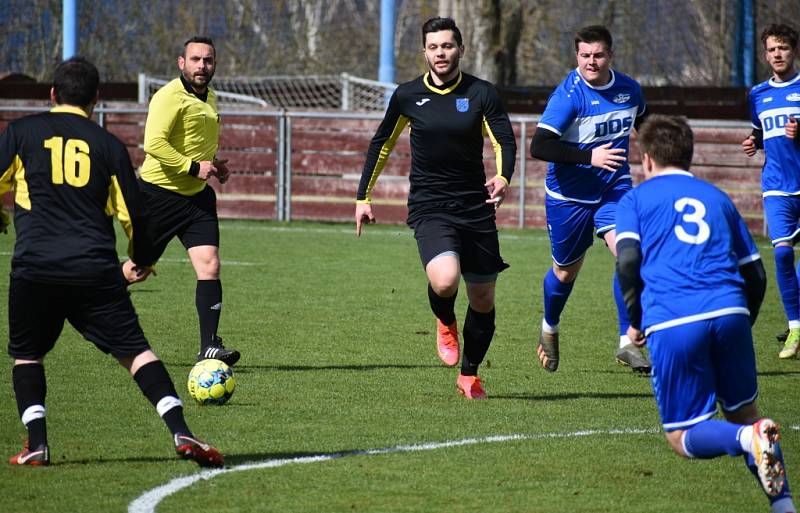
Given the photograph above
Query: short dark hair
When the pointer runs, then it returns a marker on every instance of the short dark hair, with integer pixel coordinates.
(76, 81)
(437, 24)
(594, 34)
(781, 32)
(668, 140)
(199, 39)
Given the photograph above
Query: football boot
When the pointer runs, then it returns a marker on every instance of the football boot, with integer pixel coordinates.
(447, 342)
(190, 448)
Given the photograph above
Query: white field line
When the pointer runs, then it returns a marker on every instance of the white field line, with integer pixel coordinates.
(147, 502)
(333, 229)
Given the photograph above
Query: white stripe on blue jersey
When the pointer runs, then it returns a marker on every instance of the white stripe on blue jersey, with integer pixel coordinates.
(771, 105)
(697, 317)
(590, 130)
(586, 117)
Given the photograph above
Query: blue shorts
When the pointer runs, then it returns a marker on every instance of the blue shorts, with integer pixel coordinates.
(571, 224)
(698, 364)
(783, 213)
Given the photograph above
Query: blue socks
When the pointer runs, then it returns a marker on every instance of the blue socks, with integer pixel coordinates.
(750, 462)
(712, 438)
(622, 311)
(555, 297)
(786, 277)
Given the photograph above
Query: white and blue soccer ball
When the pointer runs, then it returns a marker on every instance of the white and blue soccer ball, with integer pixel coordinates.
(211, 382)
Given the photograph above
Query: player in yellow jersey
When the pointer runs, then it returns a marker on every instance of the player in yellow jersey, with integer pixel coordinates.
(181, 138)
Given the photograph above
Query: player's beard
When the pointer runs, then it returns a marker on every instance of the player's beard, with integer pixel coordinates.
(454, 61)
(200, 84)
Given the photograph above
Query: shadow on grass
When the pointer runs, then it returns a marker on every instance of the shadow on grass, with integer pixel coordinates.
(260, 457)
(780, 373)
(244, 369)
(230, 459)
(334, 367)
(562, 397)
(100, 461)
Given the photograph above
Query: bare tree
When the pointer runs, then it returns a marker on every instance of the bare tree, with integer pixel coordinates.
(509, 42)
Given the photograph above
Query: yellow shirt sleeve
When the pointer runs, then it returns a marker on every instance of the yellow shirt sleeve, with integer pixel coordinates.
(161, 116)
(181, 129)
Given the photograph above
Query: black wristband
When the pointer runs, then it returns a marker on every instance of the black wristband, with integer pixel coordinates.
(194, 169)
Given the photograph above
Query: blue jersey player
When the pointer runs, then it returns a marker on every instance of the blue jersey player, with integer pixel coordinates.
(693, 282)
(773, 106)
(584, 135)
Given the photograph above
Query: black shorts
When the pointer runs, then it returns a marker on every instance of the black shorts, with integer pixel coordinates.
(103, 314)
(192, 218)
(478, 252)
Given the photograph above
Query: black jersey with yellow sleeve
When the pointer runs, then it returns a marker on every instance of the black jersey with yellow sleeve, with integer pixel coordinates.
(69, 177)
(447, 128)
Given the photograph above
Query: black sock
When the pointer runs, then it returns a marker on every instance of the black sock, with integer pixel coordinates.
(208, 299)
(157, 386)
(443, 307)
(30, 389)
(478, 333)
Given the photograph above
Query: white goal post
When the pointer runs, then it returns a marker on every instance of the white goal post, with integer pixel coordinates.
(326, 92)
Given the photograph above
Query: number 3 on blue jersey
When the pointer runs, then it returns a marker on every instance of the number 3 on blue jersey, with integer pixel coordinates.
(694, 217)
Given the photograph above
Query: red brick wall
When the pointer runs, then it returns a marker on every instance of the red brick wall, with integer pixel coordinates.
(328, 154)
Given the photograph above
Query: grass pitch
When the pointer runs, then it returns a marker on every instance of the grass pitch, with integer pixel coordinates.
(339, 360)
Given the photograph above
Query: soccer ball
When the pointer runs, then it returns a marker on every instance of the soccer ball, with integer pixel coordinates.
(211, 382)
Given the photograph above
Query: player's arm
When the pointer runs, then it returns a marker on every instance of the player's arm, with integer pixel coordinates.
(629, 262)
(547, 145)
(9, 162)
(497, 127)
(642, 112)
(755, 286)
(791, 129)
(126, 201)
(161, 117)
(641, 117)
(754, 142)
(378, 153)
(750, 265)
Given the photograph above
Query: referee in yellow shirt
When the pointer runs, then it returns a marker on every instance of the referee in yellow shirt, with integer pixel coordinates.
(181, 138)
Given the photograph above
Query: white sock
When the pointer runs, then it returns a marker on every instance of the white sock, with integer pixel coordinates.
(746, 438)
(546, 328)
(624, 341)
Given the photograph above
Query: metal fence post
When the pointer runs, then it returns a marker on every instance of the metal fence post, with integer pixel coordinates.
(522, 161)
(287, 180)
(345, 91)
(101, 115)
(142, 88)
(279, 185)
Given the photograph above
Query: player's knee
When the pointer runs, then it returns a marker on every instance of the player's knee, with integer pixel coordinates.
(207, 269)
(444, 279)
(483, 304)
(565, 274)
(481, 299)
(444, 286)
(747, 414)
(675, 442)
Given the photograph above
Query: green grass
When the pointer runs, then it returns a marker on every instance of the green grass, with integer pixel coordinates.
(337, 339)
